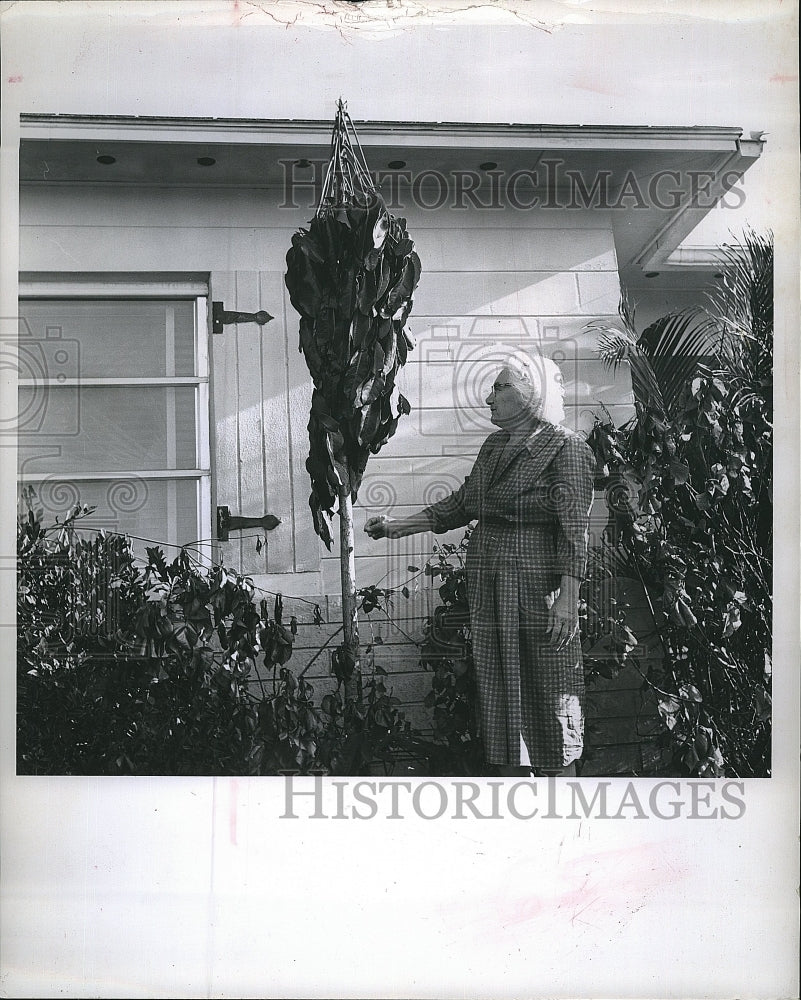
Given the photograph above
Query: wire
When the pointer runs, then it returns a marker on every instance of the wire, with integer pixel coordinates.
(69, 525)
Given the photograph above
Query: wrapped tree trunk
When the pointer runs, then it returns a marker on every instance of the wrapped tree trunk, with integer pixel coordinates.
(351, 276)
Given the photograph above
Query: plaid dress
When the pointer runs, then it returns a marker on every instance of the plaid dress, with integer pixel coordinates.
(532, 506)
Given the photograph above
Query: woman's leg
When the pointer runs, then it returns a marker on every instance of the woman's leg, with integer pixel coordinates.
(552, 689)
(496, 656)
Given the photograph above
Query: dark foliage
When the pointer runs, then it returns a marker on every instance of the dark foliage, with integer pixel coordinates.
(447, 652)
(173, 669)
(695, 510)
(351, 275)
(125, 669)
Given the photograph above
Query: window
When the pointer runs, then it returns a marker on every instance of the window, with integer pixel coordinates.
(113, 404)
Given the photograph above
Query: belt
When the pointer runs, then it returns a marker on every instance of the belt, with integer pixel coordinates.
(501, 522)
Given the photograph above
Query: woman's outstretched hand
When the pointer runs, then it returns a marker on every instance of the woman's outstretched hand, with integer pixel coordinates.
(382, 527)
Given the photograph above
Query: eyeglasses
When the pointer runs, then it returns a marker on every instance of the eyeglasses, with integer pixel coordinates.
(558, 379)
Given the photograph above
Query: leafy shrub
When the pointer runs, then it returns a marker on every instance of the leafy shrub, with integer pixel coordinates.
(447, 652)
(698, 459)
(165, 669)
(362, 734)
(148, 670)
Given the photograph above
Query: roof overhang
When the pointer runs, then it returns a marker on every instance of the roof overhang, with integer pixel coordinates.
(276, 131)
(657, 182)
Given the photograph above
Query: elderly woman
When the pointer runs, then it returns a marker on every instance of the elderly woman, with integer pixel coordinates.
(530, 491)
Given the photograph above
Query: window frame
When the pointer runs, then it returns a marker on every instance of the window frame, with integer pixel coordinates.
(98, 288)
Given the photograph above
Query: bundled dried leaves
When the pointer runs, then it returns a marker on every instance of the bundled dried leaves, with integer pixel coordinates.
(351, 275)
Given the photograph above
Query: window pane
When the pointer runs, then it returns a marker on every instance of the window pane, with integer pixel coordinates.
(113, 339)
(157, 509)
(107, 428)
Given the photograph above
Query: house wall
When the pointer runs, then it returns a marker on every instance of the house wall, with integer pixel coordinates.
(489, 278)
(654, 303)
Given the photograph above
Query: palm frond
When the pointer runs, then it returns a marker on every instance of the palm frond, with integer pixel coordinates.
(742, 306)
(678, 345)
(618, 343)
(614, 346)
(645, 385)
(627, 311)
(745, 292)
(733, 332)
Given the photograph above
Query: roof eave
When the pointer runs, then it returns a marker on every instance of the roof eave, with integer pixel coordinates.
(663, 250)
(377, 133)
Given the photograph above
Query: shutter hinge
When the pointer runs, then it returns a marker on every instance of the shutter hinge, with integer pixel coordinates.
(221, 317)
(226, 522)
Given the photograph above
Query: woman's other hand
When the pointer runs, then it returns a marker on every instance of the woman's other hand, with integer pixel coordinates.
(564, 627)
(563, 614)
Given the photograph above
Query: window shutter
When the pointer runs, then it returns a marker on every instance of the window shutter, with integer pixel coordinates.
(259, 398)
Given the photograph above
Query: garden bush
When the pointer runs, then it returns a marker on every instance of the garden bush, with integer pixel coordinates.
(130, 669)
(175, 668)
(697, 461)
